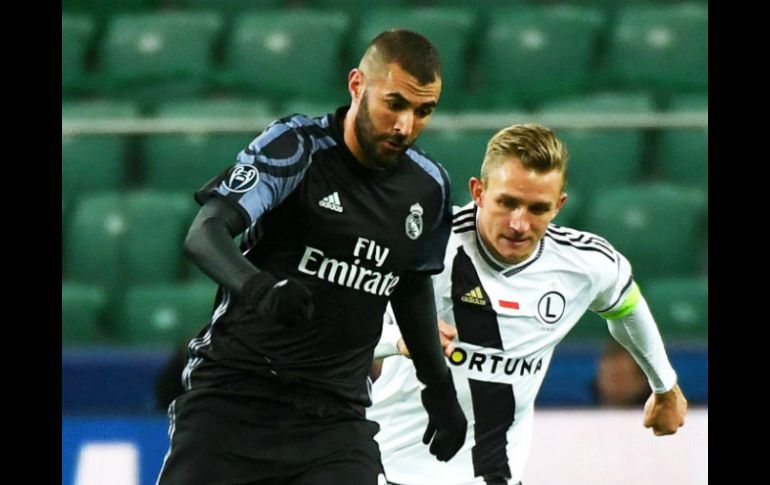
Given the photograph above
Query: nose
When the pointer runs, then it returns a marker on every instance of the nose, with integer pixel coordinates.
(404, 123)
(519, 221)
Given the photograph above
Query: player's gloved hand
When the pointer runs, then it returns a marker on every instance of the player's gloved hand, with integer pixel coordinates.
(446, 422)
(289, 301)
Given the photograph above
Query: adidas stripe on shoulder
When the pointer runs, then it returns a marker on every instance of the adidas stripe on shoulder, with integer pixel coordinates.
(582, 241)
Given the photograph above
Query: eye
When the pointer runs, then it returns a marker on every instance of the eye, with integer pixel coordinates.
(424, 112)
(394, 105)
(509, 203)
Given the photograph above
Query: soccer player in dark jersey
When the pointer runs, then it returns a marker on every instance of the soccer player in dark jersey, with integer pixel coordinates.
(339, 214)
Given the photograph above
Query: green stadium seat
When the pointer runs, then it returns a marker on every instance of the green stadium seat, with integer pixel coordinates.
(657, 227)
(94, 162)
(571, 213)
(82, 309)
(94, 239)
(308, 108)
(357, 6)
(117, 240)
(159, 223)
(534, 52)
(154, 57)
(602, 157)
(230, 7)
(164, 314)
(185, 162)
(481, 5)
(461, 153)
(660, 46)
(680, 307)
(614, 3)
(76, 34)
(449, 29)
(277, 54)
(103, 8)
(682, 154)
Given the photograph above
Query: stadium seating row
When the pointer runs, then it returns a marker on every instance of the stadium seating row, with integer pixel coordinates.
(492, 58)
(607, 157)
(121, 239)
(172, 314)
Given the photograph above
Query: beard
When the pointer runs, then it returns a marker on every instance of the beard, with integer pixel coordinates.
(368, 139)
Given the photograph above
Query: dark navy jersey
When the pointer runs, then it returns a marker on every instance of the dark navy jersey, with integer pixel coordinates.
(347, 233)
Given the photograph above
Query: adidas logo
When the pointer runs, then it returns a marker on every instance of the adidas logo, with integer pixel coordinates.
(331, 202)
(475, 296)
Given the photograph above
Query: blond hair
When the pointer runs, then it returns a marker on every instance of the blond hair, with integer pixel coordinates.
(534, 145)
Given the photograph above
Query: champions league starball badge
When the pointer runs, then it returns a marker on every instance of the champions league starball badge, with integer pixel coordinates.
(242, 178)
(414, 221)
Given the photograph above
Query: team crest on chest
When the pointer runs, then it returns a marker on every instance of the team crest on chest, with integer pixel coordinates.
(551, 306)
(414, 221)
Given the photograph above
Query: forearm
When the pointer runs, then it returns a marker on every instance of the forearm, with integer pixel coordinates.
(639, 334)
(209, 244)
(415, 312)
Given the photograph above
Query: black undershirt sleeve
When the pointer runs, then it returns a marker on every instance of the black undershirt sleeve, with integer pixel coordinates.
(210, 245)
(415, 311)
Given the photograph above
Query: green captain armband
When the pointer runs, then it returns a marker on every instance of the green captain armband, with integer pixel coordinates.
(627, 306)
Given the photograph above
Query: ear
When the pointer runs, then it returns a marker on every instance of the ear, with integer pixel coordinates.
(355, 84)
(476, 187)
(560, 203)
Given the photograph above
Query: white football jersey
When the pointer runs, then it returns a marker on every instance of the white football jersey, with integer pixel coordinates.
(508, 320)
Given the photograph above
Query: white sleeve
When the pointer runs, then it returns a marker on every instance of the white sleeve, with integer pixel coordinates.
(614, 281)
(388, 344)
(638, 333)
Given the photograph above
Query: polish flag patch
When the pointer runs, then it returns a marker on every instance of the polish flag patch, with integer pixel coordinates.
(509, 304)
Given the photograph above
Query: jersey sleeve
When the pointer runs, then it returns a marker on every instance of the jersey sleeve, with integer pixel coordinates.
(442, 282)
(266, 171)
(617, 292)
(431, 258)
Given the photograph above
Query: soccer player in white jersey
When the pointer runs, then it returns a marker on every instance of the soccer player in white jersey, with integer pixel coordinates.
(513, 285)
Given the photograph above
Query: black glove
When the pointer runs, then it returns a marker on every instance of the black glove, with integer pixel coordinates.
(446, 422)
(289, 301)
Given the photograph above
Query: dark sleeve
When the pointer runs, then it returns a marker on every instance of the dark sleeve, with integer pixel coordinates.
(268, 170)
(415, 311)
(431, 259)
(210, 245)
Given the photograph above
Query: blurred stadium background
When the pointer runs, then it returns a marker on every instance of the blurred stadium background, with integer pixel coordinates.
(160, 95)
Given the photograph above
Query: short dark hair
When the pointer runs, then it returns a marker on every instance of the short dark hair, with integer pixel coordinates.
(410, 50)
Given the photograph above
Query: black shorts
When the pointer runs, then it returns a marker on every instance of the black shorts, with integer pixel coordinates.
(284, 436)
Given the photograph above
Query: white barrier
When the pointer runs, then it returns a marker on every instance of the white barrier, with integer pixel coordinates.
(611, 447)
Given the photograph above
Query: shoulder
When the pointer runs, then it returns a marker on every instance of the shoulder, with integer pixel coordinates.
(431, 167)
(464, 218)
(581, 245)
(463, 227)
(290, 137)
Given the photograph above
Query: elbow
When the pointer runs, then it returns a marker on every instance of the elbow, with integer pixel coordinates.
(191, 247)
